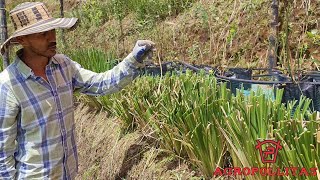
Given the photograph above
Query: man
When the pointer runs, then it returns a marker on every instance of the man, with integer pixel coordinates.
(37, 138)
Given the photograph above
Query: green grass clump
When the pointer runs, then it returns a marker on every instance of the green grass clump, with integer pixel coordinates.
(94, 60)
(197, 118)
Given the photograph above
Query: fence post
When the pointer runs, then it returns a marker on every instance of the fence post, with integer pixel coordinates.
(62, 31)
(273, 38)
(4, 32)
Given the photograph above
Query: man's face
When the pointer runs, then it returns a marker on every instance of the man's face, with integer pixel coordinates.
(41, 44)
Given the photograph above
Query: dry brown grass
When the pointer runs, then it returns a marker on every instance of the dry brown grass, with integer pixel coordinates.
(104, 154)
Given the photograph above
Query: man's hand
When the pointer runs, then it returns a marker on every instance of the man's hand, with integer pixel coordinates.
(143, 49)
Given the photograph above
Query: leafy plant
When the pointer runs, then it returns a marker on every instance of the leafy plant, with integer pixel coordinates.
(314, 35)
(95, 11)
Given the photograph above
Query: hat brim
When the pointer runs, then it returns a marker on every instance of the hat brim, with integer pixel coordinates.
(41, 26)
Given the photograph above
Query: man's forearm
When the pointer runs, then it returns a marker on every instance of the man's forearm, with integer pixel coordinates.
(110, 81)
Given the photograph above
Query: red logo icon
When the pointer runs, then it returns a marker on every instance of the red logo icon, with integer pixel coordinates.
(269, 155)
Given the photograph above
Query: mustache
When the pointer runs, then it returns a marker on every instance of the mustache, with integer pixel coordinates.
(52, 44)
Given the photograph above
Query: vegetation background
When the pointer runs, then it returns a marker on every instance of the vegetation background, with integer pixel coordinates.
(215, 32)
(225, 33)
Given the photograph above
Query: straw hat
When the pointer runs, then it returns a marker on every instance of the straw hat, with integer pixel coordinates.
(34, 17)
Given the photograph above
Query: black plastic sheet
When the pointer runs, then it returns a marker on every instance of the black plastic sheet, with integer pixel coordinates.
(241, 78)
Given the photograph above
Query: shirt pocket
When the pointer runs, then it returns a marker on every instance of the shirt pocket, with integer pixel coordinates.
(64, 85)
(65, 88)
(65, 94)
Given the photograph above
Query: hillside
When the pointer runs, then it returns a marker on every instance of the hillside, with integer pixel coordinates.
(227, 33)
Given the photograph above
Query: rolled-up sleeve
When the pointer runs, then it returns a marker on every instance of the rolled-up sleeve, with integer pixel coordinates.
(91, 83)
(8, 132)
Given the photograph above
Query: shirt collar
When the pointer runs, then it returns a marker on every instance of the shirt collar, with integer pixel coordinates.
(25, 70)
(21, 66)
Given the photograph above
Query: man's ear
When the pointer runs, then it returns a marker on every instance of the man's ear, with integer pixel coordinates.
(22, 40)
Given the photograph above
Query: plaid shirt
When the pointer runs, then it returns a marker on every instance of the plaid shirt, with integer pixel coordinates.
(37, 130)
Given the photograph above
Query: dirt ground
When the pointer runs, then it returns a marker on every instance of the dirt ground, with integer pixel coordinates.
(105, 154)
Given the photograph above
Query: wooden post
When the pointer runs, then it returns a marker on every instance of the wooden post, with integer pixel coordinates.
(273, 38)
(3, 32)
(62, 16)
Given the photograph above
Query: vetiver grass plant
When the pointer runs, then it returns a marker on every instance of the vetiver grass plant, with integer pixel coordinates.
(197, 118)
(188, 117)
(299, 137)
(93, 59)
(248, 119)
(180, 109)
(134, 104)
(257, 118)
